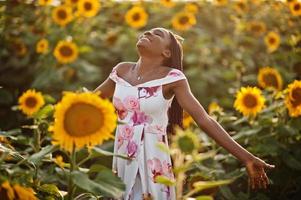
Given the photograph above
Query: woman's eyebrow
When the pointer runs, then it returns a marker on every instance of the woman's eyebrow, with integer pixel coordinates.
(161, 32)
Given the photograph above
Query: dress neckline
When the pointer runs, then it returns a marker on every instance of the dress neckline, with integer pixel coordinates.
(157, 79)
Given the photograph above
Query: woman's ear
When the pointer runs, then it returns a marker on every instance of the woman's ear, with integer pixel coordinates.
(166, 53)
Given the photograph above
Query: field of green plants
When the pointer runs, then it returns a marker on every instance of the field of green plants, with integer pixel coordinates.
(242, 59)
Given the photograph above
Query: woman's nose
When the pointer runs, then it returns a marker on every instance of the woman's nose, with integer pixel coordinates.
(147, 33)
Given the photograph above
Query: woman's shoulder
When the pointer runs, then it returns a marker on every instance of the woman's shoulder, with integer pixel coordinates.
(123, 66)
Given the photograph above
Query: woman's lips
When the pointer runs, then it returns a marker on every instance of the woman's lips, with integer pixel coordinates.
(145, 38)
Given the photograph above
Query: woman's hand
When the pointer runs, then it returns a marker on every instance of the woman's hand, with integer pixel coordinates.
(257, 176)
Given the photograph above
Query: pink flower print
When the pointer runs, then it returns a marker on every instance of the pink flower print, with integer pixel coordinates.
(146, 92)
(120, 140)
(167, 169)
(127, 131)
(131, 103)
(132, 149)
(155, 167)
(120, 108)
(140, 118)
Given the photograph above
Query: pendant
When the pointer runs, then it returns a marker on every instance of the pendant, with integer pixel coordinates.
(138, 77)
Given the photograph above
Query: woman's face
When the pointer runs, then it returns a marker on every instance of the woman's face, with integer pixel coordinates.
(155, 42)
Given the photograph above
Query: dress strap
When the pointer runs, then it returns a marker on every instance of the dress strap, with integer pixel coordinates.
(173, 76)
(114, 76)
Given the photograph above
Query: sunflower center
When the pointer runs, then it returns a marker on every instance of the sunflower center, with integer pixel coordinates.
(270, 80)
(88, 6)
(296, 95)
(62, 14)
(66, 51)
(257, 28)
(297, 7)
(136, 16)
(183, 20)
(74, 1)
(31, 102)
(272, 40)
(83, 119)
(241, 5)
(250, 101)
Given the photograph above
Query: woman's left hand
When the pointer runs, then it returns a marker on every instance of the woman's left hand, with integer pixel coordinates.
(257, 176)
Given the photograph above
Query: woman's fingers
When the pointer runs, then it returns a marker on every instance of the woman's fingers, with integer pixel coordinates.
(269, 166)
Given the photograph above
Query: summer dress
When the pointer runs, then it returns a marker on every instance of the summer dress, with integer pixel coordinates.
(142, 109)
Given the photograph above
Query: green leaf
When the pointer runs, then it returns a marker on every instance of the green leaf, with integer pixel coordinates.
(204, 197)
(97, 168)
(201, 185)
(96, 152)
(165, 180)
(106, 184)
(85, 196)
(50, 189)
(48, 98)
(44, 112)
(162, 146)
(37, 157)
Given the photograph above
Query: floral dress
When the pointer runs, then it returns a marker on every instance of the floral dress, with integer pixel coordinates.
(142, 109)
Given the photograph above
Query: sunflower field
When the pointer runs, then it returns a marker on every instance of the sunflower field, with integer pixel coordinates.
(56, 136)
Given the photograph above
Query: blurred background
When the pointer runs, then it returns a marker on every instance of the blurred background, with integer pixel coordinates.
(58, 45)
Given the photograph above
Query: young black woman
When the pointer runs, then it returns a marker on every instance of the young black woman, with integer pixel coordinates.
(143, 94)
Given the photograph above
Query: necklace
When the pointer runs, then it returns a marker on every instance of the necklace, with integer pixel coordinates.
(139, 77)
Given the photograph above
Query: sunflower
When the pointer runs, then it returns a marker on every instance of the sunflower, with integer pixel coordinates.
(293, 98)
(241, 6)
(111, 38)
(88, 8)
(30, 102)
(66, 52)
(71, 2)
(182, 21)
(42, 46)
(136, 17)
(290, 1)
(256, 27)
(191, 8)
(45, 2)
(82, 119)
(214, 107)
(187, 119)
(60, 162)
(20, 48)
(24, 192)
(272, 41)
(295, 8)
(6, 191)
(249, 101)
(168, 3)
(69, 73)
(221, 2)
(185, 140)
(269, 77)
(62, 15)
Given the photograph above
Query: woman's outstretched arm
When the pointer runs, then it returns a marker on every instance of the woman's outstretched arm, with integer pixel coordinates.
(211, 127)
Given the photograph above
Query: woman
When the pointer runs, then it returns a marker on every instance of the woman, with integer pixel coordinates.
(143, 95)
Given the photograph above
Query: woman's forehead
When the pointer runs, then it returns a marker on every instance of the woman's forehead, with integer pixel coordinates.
(162, 30)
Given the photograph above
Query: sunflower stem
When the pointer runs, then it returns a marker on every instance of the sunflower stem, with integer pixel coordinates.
(37, 138)
(72, 167)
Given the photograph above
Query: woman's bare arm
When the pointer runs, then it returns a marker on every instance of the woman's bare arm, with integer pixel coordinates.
(209, 125)
(106, 88)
